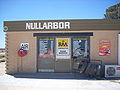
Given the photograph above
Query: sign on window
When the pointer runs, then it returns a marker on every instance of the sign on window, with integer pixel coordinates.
(62, 48)
(80, 47)
(46, 47)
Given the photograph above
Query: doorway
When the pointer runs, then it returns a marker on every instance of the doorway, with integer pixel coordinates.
(55, 54)
(46, 54)
(63, 54)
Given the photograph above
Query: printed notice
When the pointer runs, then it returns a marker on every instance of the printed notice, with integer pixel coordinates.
(63, 48)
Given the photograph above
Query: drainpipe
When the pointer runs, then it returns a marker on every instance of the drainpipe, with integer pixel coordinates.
(119, 49)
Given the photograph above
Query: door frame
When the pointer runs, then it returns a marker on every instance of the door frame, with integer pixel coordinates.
(63, 60)
(38, 52)
(71, 46)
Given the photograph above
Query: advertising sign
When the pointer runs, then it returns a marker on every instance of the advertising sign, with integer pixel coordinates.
(62, 48)
(48, 25)
(104, 48)
(46, 48)
(24, 46)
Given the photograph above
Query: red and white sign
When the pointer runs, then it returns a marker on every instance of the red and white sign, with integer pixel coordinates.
(117, 68)
(104, 48)
(22, 53)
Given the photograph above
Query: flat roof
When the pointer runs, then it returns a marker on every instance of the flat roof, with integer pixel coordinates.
(75, 25)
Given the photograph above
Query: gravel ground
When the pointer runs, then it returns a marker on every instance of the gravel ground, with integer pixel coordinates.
(2, 68)
(8, 82)
(29, 82)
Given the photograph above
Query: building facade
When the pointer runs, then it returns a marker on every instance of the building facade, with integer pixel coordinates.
(51, 45)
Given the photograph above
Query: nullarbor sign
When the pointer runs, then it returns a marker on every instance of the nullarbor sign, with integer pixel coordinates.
(48, 25)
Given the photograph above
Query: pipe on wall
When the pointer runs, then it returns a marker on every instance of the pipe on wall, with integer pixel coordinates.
(119, 48)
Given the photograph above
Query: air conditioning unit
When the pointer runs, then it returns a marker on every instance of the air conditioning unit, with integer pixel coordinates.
(112, 71)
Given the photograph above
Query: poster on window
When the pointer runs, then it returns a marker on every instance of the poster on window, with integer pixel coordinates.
(63, 48)
(46, 48)
(80, 47)
(104, 48)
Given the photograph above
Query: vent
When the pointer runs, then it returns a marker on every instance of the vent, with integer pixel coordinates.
(112, 70)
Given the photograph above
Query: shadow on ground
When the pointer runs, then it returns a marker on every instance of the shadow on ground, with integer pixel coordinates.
(52, 76)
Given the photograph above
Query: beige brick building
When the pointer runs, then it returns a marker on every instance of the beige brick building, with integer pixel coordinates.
(52, 44)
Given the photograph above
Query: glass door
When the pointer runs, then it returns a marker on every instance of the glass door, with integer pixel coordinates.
(80, 51)
(63, 54)
(46, 54)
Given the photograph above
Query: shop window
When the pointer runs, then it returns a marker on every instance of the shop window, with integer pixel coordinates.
(46, 46)
(80, 47)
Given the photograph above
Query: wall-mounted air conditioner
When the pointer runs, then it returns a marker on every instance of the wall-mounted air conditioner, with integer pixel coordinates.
(112, 70)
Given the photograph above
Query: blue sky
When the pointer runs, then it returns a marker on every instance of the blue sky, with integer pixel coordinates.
(13, 10)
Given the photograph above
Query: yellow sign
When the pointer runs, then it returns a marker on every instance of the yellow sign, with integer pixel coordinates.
(62, 42)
